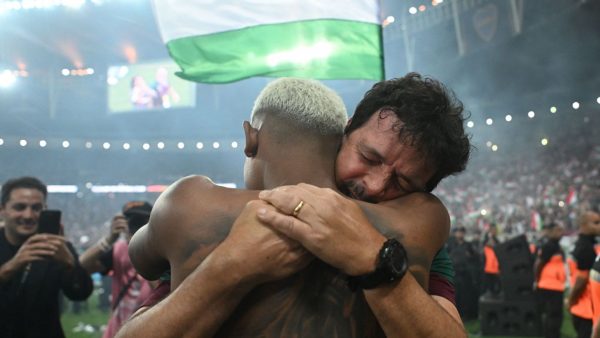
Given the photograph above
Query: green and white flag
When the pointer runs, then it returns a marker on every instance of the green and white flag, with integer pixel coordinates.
(220, 41)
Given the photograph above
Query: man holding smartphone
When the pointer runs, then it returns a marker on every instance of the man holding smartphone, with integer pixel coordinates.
(34, 266)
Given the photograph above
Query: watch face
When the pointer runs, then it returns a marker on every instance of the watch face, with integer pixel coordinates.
(397, 261)
(393, 258)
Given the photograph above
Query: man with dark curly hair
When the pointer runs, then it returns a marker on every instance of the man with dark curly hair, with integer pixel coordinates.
(405, 136)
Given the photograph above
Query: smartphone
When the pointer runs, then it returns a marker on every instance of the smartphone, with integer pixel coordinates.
(49, 222)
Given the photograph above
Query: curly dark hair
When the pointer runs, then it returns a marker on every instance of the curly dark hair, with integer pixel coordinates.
(22, 182)
(432, 120)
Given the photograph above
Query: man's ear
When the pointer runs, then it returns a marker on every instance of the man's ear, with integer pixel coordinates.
(251, 134)
(347, 125)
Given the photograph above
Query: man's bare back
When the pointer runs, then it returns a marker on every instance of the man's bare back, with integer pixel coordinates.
(194, 216)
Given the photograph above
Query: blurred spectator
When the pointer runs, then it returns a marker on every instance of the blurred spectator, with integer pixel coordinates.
(551, 277)
(491, 267)
(465, 258)
(579, 299)
(34, 267)
(129, 290)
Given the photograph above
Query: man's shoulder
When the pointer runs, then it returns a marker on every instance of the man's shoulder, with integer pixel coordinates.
(424, 205)
(189, 185)
(191, 204)
(180, 197)
(416, 199)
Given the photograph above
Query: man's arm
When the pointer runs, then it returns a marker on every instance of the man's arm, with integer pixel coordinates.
(580, 283)
(35, 248)
(335, 230)
(91, 259)
(584, 256)
(596, 331)
(197, 308)
(250, 255)
(76, 281)
(149, 246)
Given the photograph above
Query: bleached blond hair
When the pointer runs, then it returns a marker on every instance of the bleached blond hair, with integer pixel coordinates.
(307, 104)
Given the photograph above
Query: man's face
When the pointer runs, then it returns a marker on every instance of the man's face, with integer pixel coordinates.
(556, 232)
(593, 222)
(459, 235)
(374, 165)
(22, 212)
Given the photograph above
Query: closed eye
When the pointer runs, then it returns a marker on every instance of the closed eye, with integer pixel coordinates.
(368, 160)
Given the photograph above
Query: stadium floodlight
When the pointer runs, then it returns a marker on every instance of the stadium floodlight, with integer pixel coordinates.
(75, 4)
(62, 188)
(489, 121)
(389, 20)
(575, 105)
(508, 118)
(121, 188)
(7, 78)
(531, 114)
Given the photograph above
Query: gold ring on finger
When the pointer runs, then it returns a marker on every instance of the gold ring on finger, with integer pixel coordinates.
(298, 208)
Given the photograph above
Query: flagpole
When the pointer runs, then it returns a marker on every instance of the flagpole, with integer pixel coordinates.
(381, 38)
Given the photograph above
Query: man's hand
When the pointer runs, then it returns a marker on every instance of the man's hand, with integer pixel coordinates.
(62, 254)
(259, 253)
(42, 246)
(35, 248)
(117, 226)
(332, 227)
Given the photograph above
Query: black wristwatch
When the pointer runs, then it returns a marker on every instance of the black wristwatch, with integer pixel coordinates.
(391, 266)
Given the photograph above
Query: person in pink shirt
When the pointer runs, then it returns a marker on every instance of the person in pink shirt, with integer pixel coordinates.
(110, 256)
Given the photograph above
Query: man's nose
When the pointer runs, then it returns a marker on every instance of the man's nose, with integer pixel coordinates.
(375, 184)
(28, 213)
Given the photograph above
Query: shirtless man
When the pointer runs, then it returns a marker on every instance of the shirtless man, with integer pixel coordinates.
(289, 151)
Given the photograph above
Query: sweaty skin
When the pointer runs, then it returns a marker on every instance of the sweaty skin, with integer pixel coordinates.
(314, 302)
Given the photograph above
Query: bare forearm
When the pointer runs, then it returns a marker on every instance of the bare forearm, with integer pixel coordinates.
(90, 258)
(406, 307)
(596, 333)
(197, 308)
(577, 290)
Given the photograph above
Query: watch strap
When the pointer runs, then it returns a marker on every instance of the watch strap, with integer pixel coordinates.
(391, 266)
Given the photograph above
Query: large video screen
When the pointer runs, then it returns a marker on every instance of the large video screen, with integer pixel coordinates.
(148, 86)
